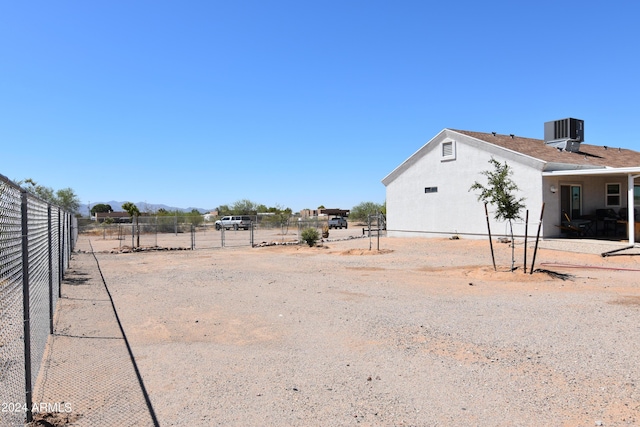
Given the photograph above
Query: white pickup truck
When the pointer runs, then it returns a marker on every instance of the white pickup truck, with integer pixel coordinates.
(235, 222)
(338, 222)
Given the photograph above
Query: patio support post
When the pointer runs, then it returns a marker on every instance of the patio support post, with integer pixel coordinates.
(631, 209)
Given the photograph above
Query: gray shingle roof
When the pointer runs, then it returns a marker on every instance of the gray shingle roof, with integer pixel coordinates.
(589, 155)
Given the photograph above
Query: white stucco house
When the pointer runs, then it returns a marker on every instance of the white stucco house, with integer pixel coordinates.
(428, 194)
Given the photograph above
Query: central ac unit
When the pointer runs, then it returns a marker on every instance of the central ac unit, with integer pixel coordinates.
(572, 129)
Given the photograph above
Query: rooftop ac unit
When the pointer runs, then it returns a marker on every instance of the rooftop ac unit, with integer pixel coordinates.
(565, 134)
(564, 129)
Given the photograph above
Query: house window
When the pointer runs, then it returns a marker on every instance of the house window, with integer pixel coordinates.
(448, 150)
(636, 195)
(430, 189)
(613, 195)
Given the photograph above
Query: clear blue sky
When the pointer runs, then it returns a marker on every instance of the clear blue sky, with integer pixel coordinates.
(294, 103)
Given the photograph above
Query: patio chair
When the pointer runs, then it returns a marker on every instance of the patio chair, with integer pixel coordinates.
(576, 227)
(608, 218)
(623, 214)
(623, 221)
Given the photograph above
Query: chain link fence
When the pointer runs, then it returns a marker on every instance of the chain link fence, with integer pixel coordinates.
(173, 232)
(36, 240)
(176, 232)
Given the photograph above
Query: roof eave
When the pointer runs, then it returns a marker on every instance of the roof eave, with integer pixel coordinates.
(410, 160)
(585, 170)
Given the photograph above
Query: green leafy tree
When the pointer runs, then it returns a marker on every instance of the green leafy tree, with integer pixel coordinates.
(244, 207)
(167, 221)
(65, 198)
(101, 208)
(131, 209)
(194, 217)
(282, 216)
(499, 192)
(45, 193)
(361, 211)
(133, 212)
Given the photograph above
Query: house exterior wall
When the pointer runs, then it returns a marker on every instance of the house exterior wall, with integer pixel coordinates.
(453, 209)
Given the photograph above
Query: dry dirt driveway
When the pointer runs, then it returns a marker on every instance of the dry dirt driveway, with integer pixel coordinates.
(420, 333)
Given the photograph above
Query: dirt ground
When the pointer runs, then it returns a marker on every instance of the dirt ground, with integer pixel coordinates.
(422, 332)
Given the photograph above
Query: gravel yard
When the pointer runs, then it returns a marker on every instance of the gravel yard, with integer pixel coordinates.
(422, 332)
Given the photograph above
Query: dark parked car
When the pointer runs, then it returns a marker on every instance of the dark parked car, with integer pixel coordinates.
(338, 222)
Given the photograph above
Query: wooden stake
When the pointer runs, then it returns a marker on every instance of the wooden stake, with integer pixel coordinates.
(535, 250)
(493, 258)
(526, 231)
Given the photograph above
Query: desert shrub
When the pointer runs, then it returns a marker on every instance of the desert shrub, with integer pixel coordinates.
(363, 210)
(310, 236)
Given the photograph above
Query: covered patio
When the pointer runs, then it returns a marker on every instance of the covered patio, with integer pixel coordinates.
(598, 203)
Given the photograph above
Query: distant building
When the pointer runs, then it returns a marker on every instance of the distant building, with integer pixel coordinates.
(211, 215)
(309, 213)
(115, 216)
(335, 212)
(315, 213)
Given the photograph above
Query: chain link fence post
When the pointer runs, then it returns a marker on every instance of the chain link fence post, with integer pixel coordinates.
(25, 307)
(60, 249)
(50, 263)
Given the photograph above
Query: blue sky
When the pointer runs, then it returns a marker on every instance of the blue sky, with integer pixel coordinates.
(293, 103)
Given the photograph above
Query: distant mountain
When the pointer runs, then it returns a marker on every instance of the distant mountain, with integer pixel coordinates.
(143, 206)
